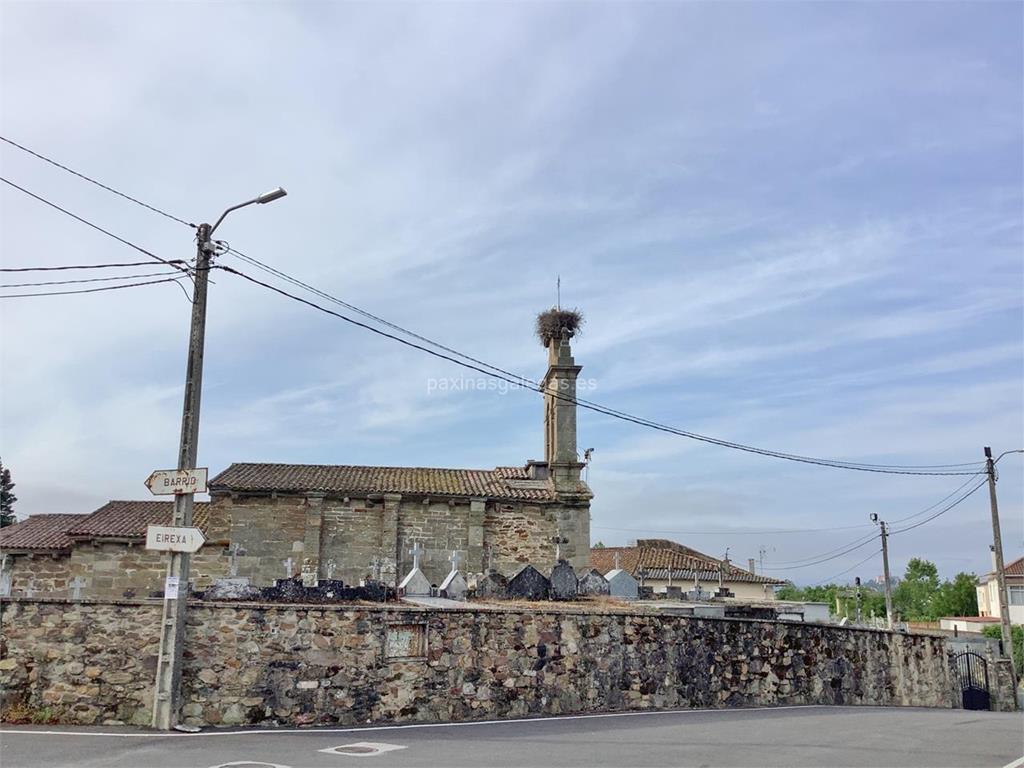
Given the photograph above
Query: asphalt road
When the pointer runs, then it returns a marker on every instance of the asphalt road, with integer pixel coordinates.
(797, 736)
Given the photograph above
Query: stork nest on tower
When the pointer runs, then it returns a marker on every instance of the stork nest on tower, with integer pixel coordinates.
(550, 323)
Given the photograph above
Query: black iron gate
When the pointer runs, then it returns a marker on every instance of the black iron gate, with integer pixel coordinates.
(972, 672)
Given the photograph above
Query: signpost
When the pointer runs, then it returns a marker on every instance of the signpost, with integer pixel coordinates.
(166, 538)
(165, 482)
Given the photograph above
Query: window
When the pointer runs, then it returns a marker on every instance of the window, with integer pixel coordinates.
(1016, 595)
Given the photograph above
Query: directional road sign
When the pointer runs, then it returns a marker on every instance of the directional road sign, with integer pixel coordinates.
(165, 482)
(166, 538)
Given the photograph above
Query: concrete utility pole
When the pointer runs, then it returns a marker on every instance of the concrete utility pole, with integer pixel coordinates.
(885, 569)
(997, 547)
(167, 691)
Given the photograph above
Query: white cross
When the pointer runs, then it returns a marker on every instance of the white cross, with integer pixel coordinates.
(416, 551)
(455, 557)
(76, 588)
(331, 565)
(559, 541)
(378, 565)
(287, 568)
(616, 560)
(233, 560)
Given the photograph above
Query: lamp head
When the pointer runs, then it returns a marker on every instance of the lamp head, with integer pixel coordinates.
(271, 196)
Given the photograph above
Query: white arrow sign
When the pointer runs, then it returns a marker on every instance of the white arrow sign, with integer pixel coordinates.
(165, 538)
(173, 481)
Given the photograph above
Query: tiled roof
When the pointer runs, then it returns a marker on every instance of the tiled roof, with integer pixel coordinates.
(47, 532)
(503, 483)
(658, 556)
(128, 519)
(1016, 568)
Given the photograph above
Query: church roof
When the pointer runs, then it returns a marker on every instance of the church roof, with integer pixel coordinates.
(39, 532)
(502, 483)
(129, 519)
(659, 557)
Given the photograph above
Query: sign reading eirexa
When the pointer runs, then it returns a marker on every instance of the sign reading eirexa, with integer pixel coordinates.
(166, 538)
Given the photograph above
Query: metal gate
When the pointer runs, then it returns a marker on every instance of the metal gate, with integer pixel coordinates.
(972, 672)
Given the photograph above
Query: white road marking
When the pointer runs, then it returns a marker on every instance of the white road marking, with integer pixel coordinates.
(1015, 764)
(250, 764)
(465, 724)
(363, 749)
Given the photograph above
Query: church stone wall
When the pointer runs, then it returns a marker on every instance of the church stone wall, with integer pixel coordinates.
(41, 574)
(349, 664)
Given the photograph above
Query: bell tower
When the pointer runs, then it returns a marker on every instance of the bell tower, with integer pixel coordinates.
(559, 385)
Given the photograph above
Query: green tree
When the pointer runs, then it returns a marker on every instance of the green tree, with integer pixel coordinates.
(958, 597)
(7, 497)
(914, 597)
(1017, 634)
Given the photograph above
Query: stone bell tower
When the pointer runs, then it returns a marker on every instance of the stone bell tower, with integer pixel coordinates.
(559, 386)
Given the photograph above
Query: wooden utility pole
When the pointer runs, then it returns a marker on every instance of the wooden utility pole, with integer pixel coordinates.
(997, 547)
(166, 701)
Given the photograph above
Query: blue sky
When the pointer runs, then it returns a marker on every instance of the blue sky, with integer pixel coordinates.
(794, 226)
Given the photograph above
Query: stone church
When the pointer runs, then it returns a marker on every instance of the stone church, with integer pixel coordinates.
(268, 521)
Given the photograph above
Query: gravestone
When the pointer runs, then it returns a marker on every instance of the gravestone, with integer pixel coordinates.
(237, 588)
(416, 583)
(492, 585)
(622, 585)
(564, 584)
(529, 584)
(593, 583)
(673, 593)
(454, 586)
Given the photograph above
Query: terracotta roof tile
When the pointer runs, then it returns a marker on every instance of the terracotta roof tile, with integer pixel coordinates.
(658, 556)
(502, 483)
(47, 532)
(1016, 568)
(128, 519)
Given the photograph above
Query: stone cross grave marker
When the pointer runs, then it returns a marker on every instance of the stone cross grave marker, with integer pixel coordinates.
(377, 567)
(330, 567)
(416, 551)
(234, 552)
(76, 588)
(288, 564)
(558, 541)
(455, 557)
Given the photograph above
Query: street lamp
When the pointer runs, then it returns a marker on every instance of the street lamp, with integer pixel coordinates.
(167, 692)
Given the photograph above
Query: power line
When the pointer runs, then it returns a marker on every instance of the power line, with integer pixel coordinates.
(86, 280)
(801, 561)
(735, 531)
(98, 228)
(941, 512)
(89, 266)
(97, 183)
(526, 383)
(843, 573)
(91, 290)
(854, 545)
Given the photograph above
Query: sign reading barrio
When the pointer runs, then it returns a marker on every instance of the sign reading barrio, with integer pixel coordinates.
(164, 482)
(165, 538)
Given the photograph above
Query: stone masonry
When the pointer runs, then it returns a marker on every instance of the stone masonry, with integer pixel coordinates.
(92, 662)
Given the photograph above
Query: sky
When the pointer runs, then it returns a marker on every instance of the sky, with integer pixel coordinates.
(794, 226)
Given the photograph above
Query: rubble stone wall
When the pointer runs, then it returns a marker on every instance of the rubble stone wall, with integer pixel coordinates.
(94, 662)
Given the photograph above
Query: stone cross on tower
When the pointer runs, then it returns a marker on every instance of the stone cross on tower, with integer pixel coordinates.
(76, 588)
(416, 551)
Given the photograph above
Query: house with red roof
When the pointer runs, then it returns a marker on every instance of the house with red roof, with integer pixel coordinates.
(988, 591)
